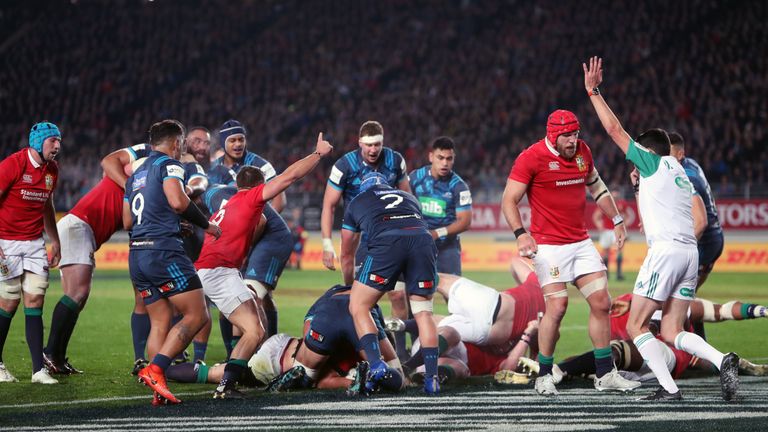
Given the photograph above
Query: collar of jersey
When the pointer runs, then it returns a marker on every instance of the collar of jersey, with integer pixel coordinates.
(550, 148)
(31, 159)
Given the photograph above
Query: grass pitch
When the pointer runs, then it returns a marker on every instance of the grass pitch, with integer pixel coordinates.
(107, 397)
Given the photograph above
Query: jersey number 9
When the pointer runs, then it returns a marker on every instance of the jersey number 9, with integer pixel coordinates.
(137, 207)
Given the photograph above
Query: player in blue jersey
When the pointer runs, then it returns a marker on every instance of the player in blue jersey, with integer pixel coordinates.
(344, 182)
(711, 242)
(398, 244)
(267, 258)
(330, 338)
(446, 203)
(161, 272)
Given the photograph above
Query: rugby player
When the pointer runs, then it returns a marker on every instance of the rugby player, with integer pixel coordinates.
(446, 203)
(344, 182)
(27, 181)
(607, 239)
(221, 259)
(667, 278)
(398, 244)
(88, 225)
(160, 270)
(553, 172)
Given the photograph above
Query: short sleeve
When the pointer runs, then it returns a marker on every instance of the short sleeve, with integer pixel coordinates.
(523, 169)
(173, 169)
(348, 222)
(138, 151)
(268, 170)
(646, 162)
(9, 173)
(401, 172)
(338, 177)
(193, 170)
(462, 196)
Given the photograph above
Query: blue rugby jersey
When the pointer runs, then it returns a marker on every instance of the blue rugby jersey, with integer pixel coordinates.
(152, 216)
(699, 180)
(220, 174)
(348, 171)
(382, 209)
(441, 198)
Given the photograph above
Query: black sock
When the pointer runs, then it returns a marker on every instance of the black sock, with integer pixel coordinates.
(400, 349)
(5, 326)
(140, 326)
(226, 333)
(234, 369)
(698, 328)
(412, 328)
(580, 365)
(271, 322)
(33, 318)
(68, 335)
(182, 372)
(63, 322)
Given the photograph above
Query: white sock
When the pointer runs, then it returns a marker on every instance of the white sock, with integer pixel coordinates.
(652, 351)
(694, 344)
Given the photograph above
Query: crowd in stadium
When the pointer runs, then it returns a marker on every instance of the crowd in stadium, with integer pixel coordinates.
(486, 74)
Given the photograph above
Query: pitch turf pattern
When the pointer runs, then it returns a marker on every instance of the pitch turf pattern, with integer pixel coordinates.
(482, 408)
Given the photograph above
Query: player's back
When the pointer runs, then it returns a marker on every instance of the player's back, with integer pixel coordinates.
(154, 223)
(699, 180)
(382, 210)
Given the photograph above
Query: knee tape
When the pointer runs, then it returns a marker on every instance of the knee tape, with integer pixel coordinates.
(34, 283)
(421, 306)
(596, 285)
(624, 352)
(726, 310)
(557, 294)
(709, 310)
(399, 286)
(260, 288)
(10, 289)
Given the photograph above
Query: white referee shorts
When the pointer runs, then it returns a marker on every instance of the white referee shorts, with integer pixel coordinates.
(225, 287)
(669, 270)
(471, 306)
(565, 263)
(78, 243)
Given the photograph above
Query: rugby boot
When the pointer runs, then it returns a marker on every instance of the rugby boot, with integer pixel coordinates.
(227, 390)
(6, 376)
(154, 378)
(53, 366)
(662, 395)
(71, 370)
(43, 377)
(613, 381)
(138, 365)
(432, 385)
(290, 379)
(729, 376)
(357, 388)
(376, 374)
(545, 385)
(394, 325)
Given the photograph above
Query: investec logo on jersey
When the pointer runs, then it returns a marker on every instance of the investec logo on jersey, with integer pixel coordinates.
(432, 207)
(570, 182)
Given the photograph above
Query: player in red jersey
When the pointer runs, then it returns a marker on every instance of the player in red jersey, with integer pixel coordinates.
(553, 173)
(27, 181)
(89, 224)
(221, 259)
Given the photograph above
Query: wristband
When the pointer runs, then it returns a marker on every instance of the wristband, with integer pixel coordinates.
(328, 245)
(194, 215)
(594, 92)
(617, 220)
(525, 337)
(520, 231)
(441, 232)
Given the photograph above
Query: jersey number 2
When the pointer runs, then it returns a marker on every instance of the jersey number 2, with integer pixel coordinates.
(393, 204)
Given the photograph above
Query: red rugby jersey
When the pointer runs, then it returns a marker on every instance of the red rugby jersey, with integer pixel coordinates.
(102, 209)
(26, 187)
(238, 220)
(529, 301)
(556, 191)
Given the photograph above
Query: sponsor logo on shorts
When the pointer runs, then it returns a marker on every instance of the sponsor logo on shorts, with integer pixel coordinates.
(145, 293)
(316, 336)
(4, 270)
(426, 284)
(169, 286)
(377, 279)
(554, 272)
(686, 292)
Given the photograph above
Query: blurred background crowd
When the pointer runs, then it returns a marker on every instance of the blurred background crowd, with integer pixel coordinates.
(486, 73)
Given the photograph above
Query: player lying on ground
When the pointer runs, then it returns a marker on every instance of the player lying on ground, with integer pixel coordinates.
(330, 334)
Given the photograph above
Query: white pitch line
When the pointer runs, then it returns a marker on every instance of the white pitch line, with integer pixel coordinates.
(94, 400)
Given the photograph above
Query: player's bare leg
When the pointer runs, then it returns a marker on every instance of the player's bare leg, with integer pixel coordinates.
(556, 303)
(246, 318)
(399, 310)
(76, 284)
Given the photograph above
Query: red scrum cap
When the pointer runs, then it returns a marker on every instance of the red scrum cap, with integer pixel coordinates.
(561, 122)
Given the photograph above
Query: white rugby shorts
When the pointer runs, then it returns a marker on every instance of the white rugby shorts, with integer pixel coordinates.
(266, 363)
(565, 263)
(78, 243)
(471, 306)
(21, 256)
(607, 238)
(225, 287)
(669, 270)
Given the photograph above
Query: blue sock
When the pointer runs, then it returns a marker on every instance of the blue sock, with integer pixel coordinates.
(140, 326)
(33, 318)
(200, 348)
(5, 325)
(412, 328)
(271, 321)
(370, 344)
(161, 361)
(545, 364)
(226, 333)
(430, 360)
(603, 361)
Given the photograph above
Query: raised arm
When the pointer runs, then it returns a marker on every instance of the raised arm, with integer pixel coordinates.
(593, 76)
(297, 170)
